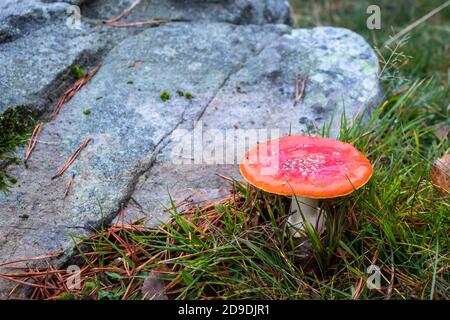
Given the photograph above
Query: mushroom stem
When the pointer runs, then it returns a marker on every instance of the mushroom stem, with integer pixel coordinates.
(310, 209)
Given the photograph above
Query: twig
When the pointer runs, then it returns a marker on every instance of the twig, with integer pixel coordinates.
(73, 90)
(358, 289)
(124, 14)
(154, 22)
(299, 96)
(59, 277)
(401, 91)
(391, 283)
(113, 22)
(33, 273)
(10, 278)
(47, 142)
(72, 158)
(56, 254)
(69, 186)
(33, 140)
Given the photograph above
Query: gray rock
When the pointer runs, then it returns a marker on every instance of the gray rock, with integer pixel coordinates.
(37, 50)
(36, 40)
(231, 11)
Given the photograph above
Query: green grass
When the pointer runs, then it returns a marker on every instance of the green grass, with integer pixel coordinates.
(428, 43)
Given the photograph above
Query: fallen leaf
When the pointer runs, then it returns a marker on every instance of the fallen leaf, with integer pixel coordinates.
(441, 131)
(440, 174)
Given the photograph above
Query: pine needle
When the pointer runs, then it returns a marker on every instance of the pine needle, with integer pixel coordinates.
(73, 90)
(72, 158)
(124, 14)
(33, 140)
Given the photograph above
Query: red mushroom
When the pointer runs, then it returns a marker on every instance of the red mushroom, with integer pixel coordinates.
(308, 169)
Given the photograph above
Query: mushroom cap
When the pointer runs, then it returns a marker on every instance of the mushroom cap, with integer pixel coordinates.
(312, 167)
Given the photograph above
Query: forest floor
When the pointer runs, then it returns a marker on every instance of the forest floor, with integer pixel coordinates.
(399, 223)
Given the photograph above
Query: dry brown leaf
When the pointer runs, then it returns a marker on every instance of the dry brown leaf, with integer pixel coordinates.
(441, 131)
(440, 174)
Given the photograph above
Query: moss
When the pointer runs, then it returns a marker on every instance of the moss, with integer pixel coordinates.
(130, 82)
(87, 112)
(77, 71)
(187, 95)
(89, 287)
(67, 296)
(16, 125)
(165, 96)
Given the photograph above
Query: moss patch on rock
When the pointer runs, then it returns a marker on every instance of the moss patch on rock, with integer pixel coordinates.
(16, 125)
